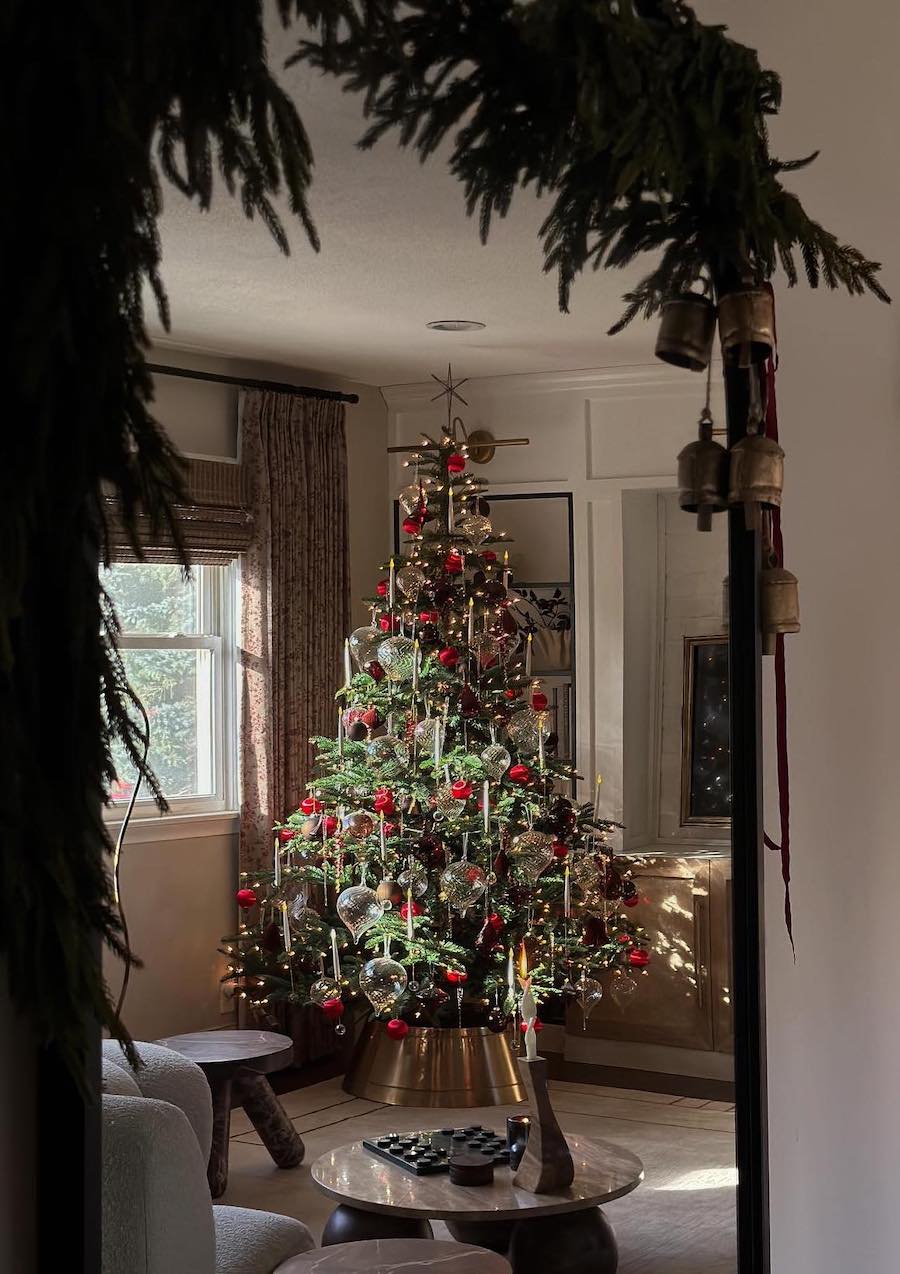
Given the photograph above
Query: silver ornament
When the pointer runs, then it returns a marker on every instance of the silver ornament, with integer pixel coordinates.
(411, 580)
(462, 883)
(364, 644)
(530, 854)
(359, 909)
(397, 657)
(382, 981)
(496, 760)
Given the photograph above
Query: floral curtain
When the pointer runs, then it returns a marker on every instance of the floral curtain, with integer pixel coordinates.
(295, 601)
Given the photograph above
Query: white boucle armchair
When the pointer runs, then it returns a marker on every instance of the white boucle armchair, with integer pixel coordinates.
(157, 1214)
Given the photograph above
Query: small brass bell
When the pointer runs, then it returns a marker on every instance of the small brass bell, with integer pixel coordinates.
(779, 605)
(746, 326)
(686, 332)
(703, 475)
(757, 476)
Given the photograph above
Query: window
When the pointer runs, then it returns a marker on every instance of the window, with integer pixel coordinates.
(179, 649)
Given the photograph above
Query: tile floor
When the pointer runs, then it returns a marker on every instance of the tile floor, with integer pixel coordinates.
(679, 1221)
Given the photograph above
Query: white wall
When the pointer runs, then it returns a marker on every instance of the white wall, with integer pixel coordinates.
(178, 880)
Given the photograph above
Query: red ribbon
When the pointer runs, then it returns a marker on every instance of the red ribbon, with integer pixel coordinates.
(784, 784)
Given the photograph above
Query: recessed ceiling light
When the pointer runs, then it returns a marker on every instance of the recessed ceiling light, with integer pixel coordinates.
(455, 325)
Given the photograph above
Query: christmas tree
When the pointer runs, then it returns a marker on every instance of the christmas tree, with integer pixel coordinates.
(439, 854)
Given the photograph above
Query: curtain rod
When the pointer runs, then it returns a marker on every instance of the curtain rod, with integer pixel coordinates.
(244, 382)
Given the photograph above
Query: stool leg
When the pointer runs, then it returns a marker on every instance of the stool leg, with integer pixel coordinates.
(351, 1225)
(217, 1170)
(265, 1112)
(567, 1244)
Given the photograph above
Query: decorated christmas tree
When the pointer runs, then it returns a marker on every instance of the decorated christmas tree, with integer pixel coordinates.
(440, 854)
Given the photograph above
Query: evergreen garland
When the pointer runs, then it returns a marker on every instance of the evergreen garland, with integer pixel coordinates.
(646, 126)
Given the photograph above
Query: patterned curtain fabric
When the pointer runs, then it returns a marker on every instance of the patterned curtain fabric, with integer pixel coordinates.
(295, 601)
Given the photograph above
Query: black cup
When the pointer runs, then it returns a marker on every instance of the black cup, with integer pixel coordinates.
(517, 1129)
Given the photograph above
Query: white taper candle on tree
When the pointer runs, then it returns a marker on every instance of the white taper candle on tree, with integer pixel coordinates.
(335, 958)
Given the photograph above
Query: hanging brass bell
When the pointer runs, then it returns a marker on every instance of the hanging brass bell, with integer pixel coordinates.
(686, 331)
(756, 476)
(747, 326)
(703, 476)
(779, 605)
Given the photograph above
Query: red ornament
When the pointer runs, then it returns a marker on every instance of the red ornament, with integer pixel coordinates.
(385, 623)
(384, 801)
(519, 774)
(397, 1029)
(333, 1009)
(404, 910)
(539, 701)
(560, 850)
(449, 657)
(381, 588)
(624, 938)
(371, 718)
(412, 526)
(538, 1026)
(509, 693)
(329, 824)
(456, 463)
(286, 834)
(456, 977)
(631, 901)
(376, 672)
(496, 922)
(461, 790)
(488, 555)
(639, 958)
(246, 898)
(309, 805)
(453, 563)
(429, 616)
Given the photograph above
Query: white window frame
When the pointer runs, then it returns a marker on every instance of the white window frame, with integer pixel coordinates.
(217, 624)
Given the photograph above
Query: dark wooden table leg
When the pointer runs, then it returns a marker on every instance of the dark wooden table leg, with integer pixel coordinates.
(569, 1243)
(266, 1113)
(217, 1171)
(350, 1225)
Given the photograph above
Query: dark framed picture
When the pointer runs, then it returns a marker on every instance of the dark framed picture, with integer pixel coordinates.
(705, 757)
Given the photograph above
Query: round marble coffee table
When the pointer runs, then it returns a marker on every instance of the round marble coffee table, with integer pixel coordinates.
(566, 1233)
(399, 1256)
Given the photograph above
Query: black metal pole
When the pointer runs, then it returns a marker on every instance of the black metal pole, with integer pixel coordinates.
(245, 382)
(748, 974)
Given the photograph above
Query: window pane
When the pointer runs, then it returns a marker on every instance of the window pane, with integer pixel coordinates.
(153, 597)
(174, 687)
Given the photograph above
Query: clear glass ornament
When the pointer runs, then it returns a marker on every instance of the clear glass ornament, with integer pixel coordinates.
(310, 826)
(446, 803)
(462, 883)
(486, 647)
(622, 987)
(410, 499)
(475, 528)
(496, 760)
(425, 732)
(382, 981)
(590, 993)
(364, 643)
(305, 922)
(359, 823)
(359, 909)
(411, 580)
(397, 657)
(587, 873)
(530, 854)
(340, 1029)
(525, 728)
(415, 878)
(323, 989)
(386, 748)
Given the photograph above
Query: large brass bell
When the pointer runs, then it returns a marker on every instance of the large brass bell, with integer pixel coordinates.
(756, 476)
(686, 331)
(746, 326)
(703, 475)
(779, 605)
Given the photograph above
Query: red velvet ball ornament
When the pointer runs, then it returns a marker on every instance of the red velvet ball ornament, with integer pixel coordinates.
(496, 922)
(246, 898)
(538, 1026)
(397, 1029)
(639, 958)
(384, 801)
(371, 717)
(624, 938)
(631, 901)
(461, 790)
(412, 526)
(310, 805)
(404, 910)
(488, 555)
(286, 834)
(375, 671)
(456, 463)
(519, 773)
(456, 977)
(333, 1009)
(453, 563)
(449, 657)
(539, 701)
(560, 850)
(381, 588)
(329, 824)
(509, 693)
(385, 623)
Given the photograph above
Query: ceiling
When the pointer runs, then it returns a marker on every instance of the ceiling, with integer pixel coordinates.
(397, 252)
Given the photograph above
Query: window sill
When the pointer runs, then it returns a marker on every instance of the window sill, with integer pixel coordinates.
(149, 828)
